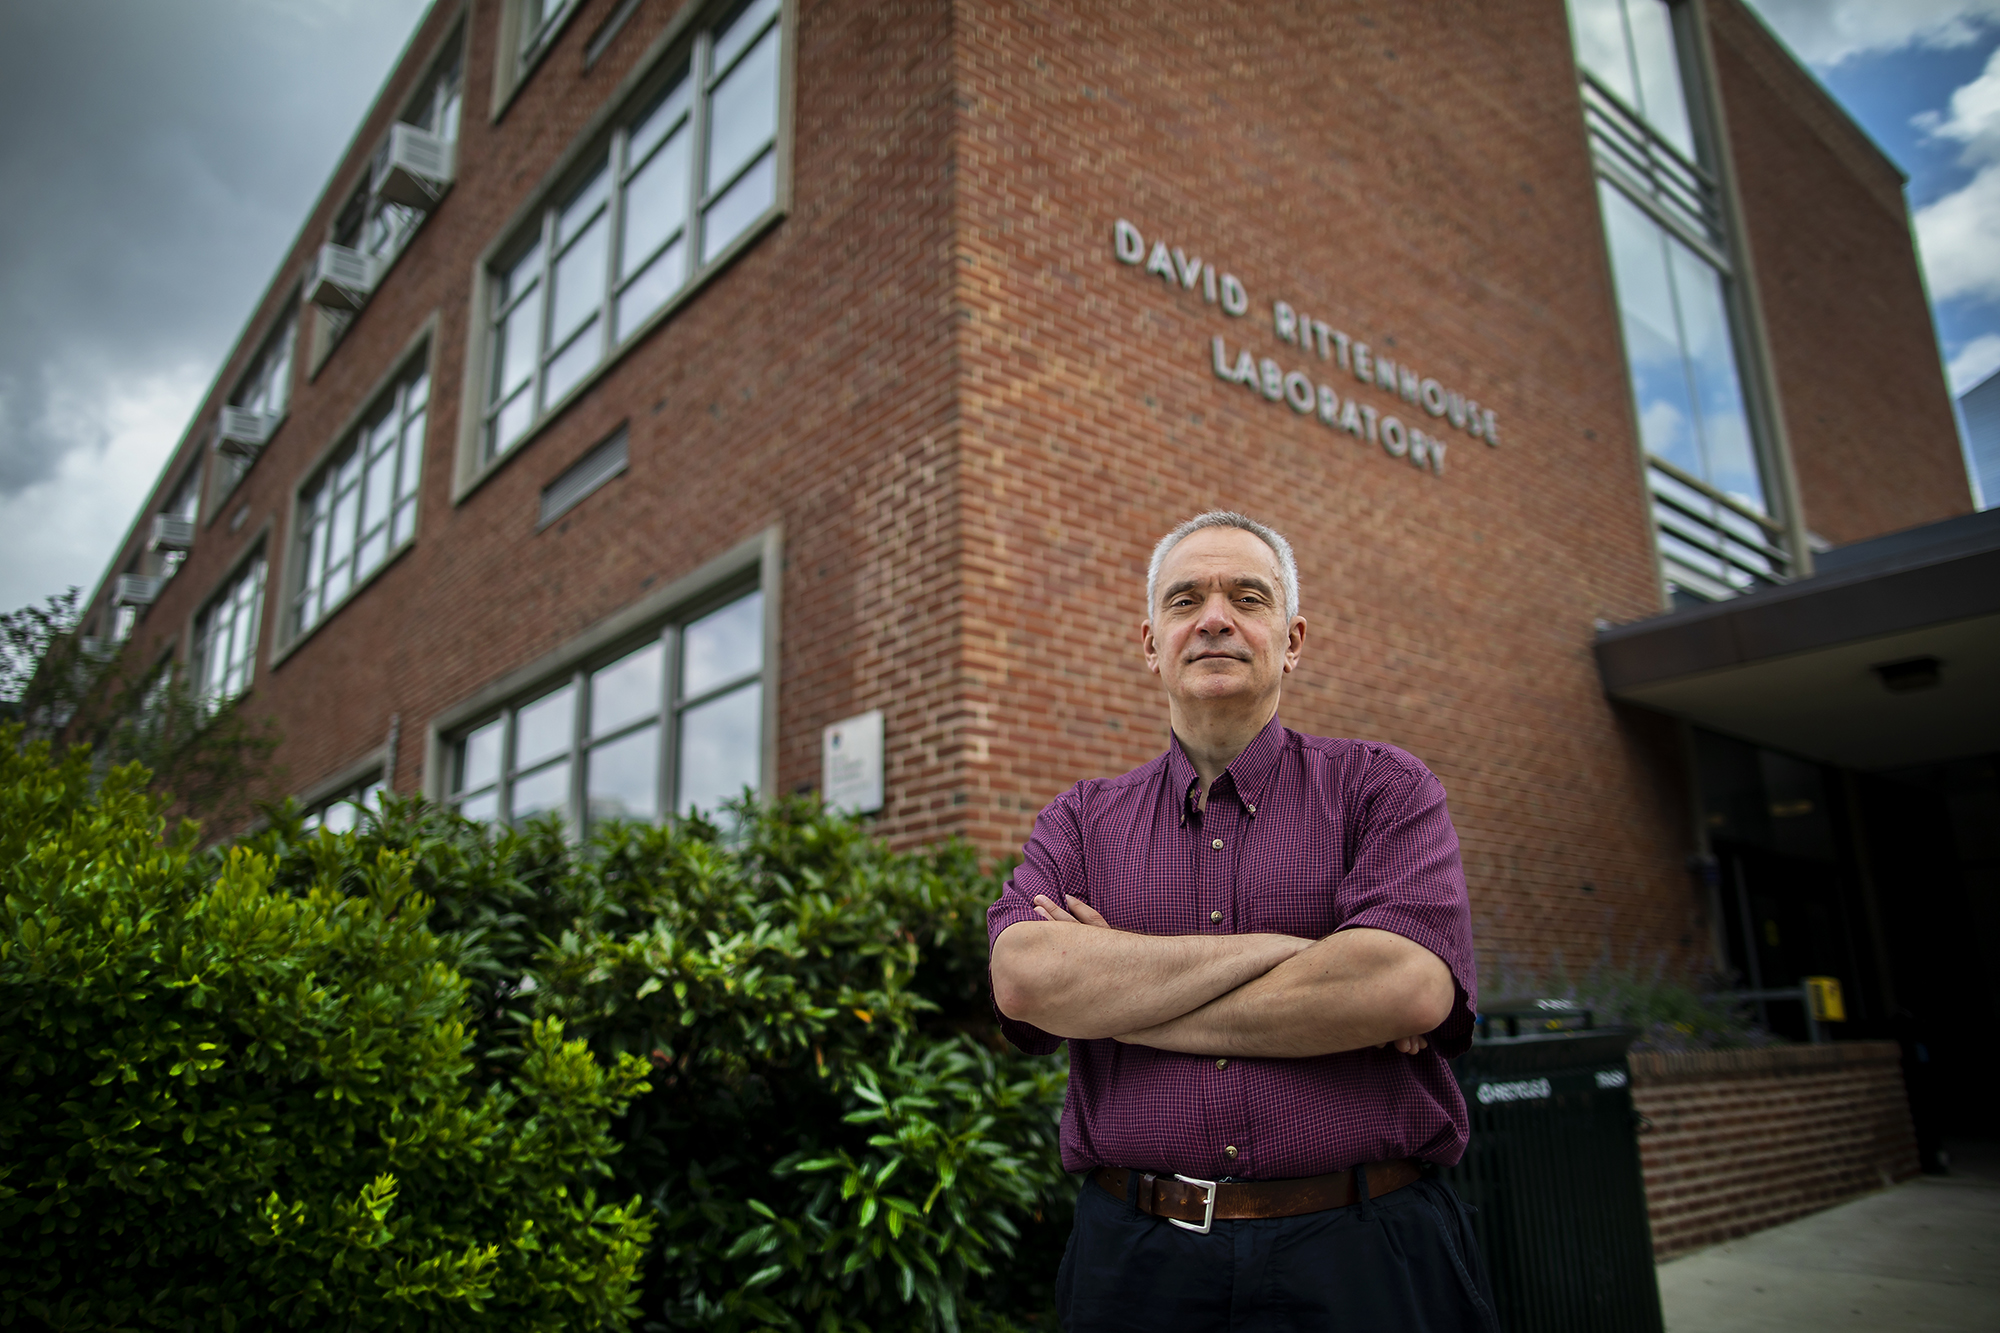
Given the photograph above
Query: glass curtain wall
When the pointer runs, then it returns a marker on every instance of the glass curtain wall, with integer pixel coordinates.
(1663, 222)
(674, 724)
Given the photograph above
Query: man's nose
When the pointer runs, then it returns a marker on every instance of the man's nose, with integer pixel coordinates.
(1215, 617)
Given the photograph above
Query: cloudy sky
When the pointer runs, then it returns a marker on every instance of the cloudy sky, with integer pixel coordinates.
(165, 152)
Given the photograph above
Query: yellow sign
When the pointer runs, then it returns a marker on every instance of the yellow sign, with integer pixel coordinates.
(1825, 995)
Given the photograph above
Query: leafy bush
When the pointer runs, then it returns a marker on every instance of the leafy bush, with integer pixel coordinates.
(233, 1103)
(835, 1138)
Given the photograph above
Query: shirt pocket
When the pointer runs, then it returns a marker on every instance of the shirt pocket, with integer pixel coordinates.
(1290, 890)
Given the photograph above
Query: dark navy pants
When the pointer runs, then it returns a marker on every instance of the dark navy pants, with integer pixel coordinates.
(1404, 1262)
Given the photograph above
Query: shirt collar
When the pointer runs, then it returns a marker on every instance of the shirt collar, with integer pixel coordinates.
(1250, 772)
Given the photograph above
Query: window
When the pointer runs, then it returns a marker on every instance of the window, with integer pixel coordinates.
(1629, 47)
(268, 386)
(226, 636)
(151, 716)
(540, 20)
(265, 388)
(1669, 246)
(342, 812)
(377, 227)
(124, 619)
(645, 217)
(362, 505)
(185, 503)
(671, 724)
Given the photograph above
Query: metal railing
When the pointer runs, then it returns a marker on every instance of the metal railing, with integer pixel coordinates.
(1630, 151)
(1711, 543)
(1533, 1016)
(1800, 995)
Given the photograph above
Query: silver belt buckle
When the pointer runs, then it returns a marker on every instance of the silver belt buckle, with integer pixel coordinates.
(1208, 1216)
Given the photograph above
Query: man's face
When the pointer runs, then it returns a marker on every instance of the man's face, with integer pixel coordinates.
(1218, 632)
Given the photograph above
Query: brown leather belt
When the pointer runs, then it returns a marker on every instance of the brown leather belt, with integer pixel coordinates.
(1195, 1204)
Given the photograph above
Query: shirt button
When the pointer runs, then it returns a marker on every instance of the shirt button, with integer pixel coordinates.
(1216, 917)
(1220, 1063)
(1251, 808)
(1230, 1152)
(1217, 844)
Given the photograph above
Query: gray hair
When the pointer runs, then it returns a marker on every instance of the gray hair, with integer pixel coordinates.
(1288, 567)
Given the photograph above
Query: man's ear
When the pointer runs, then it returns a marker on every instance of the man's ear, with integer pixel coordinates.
(1295, 642)
(1150, 648)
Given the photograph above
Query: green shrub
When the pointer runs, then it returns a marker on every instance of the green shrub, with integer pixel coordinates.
(1671, 1013)
(835, 1138)
(230, 1102)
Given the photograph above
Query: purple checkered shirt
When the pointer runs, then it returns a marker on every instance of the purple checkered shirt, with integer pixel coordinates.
(1302, 836)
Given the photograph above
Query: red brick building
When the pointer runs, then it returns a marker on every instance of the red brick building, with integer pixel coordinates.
(811, 358)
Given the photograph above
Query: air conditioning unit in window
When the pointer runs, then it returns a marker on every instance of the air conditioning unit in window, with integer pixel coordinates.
(340, 278)
(414, 167)
(171, 532)
(136, 589)
(242, 431)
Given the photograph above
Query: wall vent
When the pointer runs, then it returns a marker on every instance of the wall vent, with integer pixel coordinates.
(585, 475)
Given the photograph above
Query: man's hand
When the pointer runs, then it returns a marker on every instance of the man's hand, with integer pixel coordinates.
(1075, 911)
(1078, 912)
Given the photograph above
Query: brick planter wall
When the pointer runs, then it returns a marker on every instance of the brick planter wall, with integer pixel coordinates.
(1743, 1140)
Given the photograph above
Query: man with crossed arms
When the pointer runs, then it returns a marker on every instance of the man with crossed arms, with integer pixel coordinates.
(1259, 949)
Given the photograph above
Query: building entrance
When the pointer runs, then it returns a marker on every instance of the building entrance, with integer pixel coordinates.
(1889, 883)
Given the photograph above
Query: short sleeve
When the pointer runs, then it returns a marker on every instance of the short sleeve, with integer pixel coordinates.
(1051, 865)
(1407, 878)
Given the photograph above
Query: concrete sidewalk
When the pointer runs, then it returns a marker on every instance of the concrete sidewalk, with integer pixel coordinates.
(1924, 1255)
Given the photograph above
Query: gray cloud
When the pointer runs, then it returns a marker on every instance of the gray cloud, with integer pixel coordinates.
(158, 162)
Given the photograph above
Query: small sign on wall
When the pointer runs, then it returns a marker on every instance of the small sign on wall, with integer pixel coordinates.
(850, 764)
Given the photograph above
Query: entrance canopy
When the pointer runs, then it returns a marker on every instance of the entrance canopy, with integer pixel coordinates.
(1889, 655)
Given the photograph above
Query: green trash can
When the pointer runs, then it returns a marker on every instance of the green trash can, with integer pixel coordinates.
(1553, 1172)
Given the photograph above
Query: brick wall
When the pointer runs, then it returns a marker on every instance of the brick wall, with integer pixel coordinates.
(1743, 1140)
(1416, 177)
(972, 421)
(1850, 326)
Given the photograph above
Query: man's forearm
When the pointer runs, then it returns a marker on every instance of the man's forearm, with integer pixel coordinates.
(1355, 989)
(1086, 982)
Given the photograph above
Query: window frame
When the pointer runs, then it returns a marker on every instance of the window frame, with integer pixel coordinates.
(513, 64)
(255, 547)
(328, 328)
(752, 565)
(190, 483)
(363, 779)
(684, 40)
(226, 473)
(667, 718)
(1728, 256)
(420, 351)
